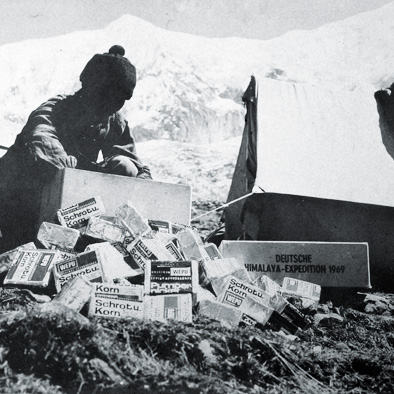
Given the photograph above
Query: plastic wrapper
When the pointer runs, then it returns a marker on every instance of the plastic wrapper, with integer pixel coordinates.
(219, 283)
(277, 301)
(117, 301)
(301, 288)
(7, 257)
(220, 268)
(75, 294)
(112, 262)
(251, 300)
(168, 307)
(213, 251)
(225, 314)
(192, 245)
(267, 284)
(127, 258)
(143, 250)
(77, 215)
(107, 231)
(31, 267)
(53, 236)
(129, 217)
(65, 254)
(203, 294)
(169, 277)
(85, 264)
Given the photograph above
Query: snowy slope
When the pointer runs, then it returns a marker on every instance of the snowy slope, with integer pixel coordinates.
(189, 88)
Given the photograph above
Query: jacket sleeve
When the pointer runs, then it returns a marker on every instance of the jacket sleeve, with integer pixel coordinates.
(41, 139)
(120, 141)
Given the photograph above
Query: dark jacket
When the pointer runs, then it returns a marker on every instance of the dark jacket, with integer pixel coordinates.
(55, 138)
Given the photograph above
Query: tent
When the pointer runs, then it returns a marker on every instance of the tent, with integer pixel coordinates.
(320, 169)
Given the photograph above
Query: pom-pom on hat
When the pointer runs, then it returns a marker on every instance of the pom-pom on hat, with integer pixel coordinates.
(110, 69)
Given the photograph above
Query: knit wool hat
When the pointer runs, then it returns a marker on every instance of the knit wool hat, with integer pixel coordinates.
(110, 68)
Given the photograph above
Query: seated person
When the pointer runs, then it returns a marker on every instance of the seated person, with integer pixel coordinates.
(69, 131)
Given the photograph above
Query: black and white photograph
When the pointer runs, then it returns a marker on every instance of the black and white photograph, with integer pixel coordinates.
(196, 196)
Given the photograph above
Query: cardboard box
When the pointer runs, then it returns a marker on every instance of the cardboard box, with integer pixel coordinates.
(330, 264)
(77, 215)
(112, 262)
(31, 267)
(238, 290)
(129, 217)
(54, 236)
(169, 307)
(116, 301)
(7, 258)
(251, 300)
(171, 277)
(105, 230)
(75, 294)
(301, 288)
(84, 264)
(218, 311)
(156, 200)
(143, 249)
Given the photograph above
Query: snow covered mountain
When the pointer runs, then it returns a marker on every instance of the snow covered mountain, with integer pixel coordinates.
(189, 87)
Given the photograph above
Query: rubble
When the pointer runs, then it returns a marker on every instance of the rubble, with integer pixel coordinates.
(128, 266)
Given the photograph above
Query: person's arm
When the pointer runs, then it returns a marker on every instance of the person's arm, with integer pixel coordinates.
(120, 141)
(40, 137)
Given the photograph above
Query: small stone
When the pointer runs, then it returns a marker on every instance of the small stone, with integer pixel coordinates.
(326, 319)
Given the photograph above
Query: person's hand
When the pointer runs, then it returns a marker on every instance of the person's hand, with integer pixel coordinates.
(71, 162)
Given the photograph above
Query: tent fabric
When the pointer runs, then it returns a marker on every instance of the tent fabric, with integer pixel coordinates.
(246, 166)
(321, 143)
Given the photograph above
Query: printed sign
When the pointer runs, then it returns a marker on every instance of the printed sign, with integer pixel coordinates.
(329, 264)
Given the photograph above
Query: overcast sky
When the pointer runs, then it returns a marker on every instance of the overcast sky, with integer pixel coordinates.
(262, 19)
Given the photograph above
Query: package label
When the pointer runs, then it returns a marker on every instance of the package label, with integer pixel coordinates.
(77, 215)
(175, 252)
(168, 277)
(31, 267)
(251, 300)
(168, 307)
(7, 258)
(240, 290)
(84, 264)
(160, 226)
(301, 288)
(117, 301)
(143, 250)
(213, 251)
